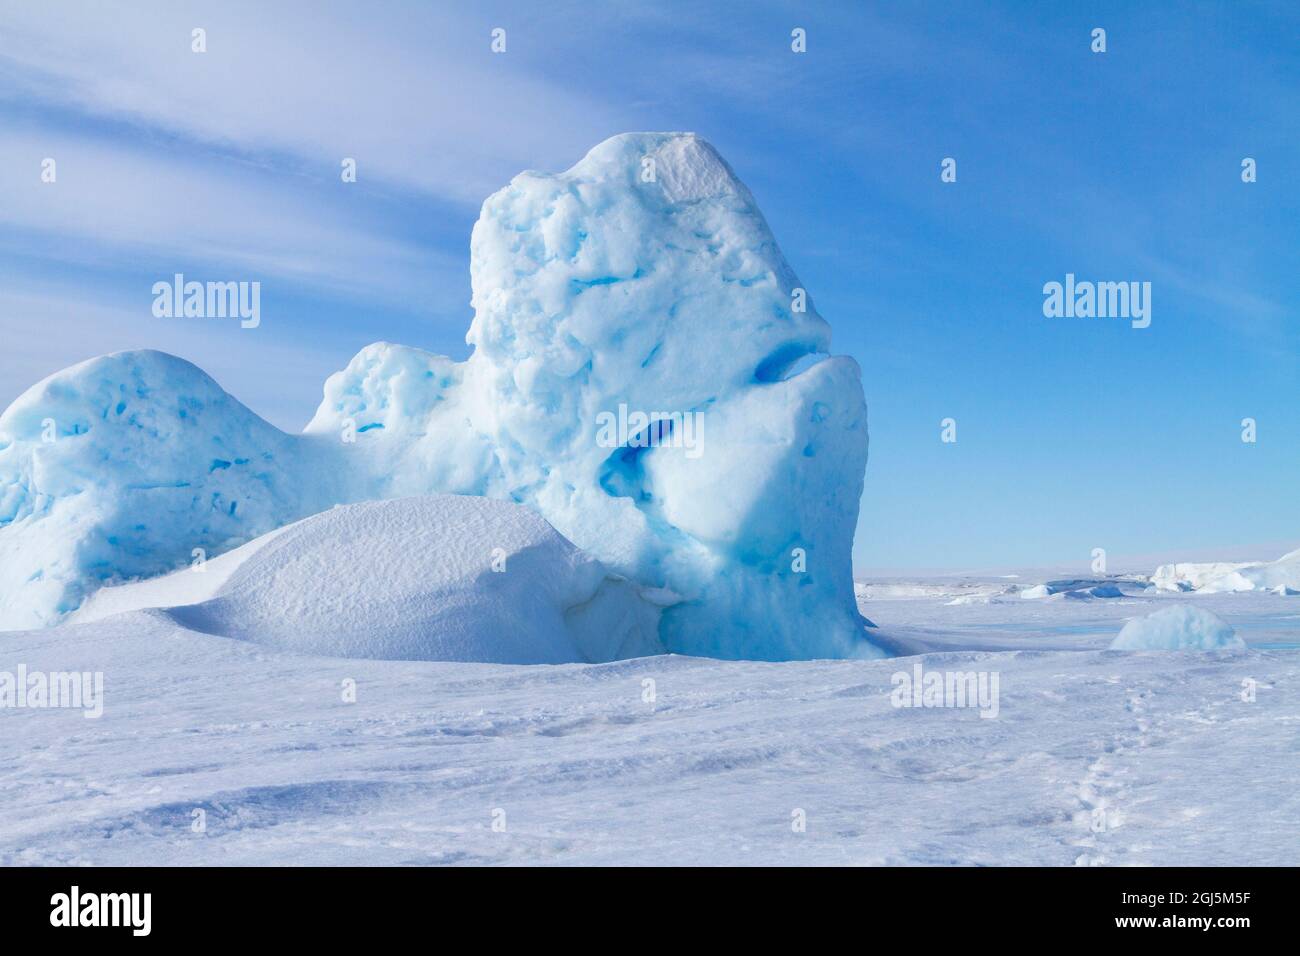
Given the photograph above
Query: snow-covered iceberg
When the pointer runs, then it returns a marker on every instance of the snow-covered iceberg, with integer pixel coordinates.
(1281, 576)
(647, 374)
(1178, 628)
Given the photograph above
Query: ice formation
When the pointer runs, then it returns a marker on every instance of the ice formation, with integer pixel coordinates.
(409, 579)
(1281, 576)
(641, 287)
(1079, 589)
(1178, 628)
(125, 466)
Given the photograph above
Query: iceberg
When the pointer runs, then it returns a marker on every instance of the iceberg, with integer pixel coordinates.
(642, 285)
(1178, 628)
(132, 465)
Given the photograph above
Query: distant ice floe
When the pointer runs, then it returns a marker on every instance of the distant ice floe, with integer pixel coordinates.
(1280, 577)
(1080, 589)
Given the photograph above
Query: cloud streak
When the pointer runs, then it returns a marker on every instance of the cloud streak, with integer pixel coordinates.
(414, 94)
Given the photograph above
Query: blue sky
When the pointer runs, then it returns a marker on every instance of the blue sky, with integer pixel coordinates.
(1072, 433)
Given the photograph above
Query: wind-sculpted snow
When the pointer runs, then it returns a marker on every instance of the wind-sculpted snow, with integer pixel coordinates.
(647, 374)
(408, 579)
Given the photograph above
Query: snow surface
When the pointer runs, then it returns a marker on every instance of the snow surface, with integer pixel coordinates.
(1095, 757)
(1178, 628)
(448, 578)
(596, 290)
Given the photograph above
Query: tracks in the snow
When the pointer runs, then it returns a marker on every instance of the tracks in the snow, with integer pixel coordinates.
(1104, 794)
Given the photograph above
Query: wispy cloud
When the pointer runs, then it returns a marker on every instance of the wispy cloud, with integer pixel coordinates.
(412, 93)
(130, 204)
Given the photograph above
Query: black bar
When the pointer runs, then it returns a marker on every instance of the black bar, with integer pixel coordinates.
(946, 906)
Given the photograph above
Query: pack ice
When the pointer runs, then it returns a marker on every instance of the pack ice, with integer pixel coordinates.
(647, 374)
(1281, 576)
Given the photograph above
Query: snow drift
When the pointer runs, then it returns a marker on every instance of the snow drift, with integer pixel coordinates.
(1178, 628)
(443, 578)
(643, 283)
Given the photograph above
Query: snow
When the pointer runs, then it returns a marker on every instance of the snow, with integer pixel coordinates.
(1095, 758)
(934, 621)
(446, 578)
(642, 281)
(1178, 628)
